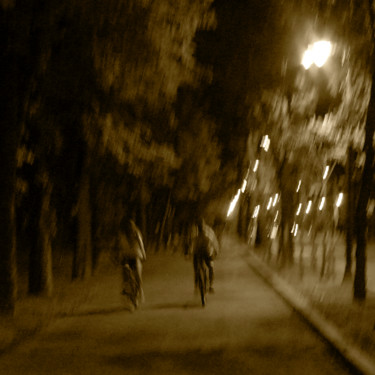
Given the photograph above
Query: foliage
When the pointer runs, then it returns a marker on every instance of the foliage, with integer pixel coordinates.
(199, 150)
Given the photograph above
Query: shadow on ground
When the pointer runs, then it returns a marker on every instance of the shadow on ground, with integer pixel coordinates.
(194, 362)
(177, 306)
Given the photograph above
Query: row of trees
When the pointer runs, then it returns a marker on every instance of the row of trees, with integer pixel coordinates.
(103, 117)
(320, 117)
(154, 109)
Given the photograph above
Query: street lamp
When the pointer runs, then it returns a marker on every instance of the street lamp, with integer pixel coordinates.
(317, 53)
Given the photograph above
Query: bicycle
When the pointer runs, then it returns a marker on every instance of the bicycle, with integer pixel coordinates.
(202, 280)
(130, 287)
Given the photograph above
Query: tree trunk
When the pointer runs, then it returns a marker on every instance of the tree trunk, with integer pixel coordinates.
(162, 226)
(95, 225)
(349, 214)
(364, 195)
(82, 258)
(41, 232)
(10, 133)
(286, 216)
(8, 148)
(241, 231)
(143, 200)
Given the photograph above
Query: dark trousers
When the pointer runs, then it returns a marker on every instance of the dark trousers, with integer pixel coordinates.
(210, 265)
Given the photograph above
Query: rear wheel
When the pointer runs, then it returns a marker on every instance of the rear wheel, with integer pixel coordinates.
(202, 283)
(130, 287)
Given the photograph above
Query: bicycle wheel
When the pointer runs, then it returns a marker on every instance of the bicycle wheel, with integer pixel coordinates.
(130, 287)
(202, 279)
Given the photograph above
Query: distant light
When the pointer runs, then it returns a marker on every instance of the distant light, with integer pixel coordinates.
(308, 207)
(244, 185)
(299, 185)
(275, 200)
(339, 200)
(274, 232)
(276, 216)
(269, 204)
(317, 53)
(233, 203)
(265, 144)
(299, 209)
(325, 172)
(322, 203)
(256, 211)
(370, 208)
(296, 230)
(256, 165)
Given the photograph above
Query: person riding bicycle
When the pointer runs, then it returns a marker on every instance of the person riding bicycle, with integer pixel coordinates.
(205, 248)
(132, 253)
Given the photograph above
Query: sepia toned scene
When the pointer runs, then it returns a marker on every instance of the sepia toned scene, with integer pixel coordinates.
(187, 187)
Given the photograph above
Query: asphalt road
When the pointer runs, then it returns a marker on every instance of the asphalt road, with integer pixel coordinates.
(246, 328)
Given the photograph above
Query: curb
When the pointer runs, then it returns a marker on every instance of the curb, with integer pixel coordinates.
(349, 351)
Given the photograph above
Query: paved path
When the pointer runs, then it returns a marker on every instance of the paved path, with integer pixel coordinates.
(246, 328)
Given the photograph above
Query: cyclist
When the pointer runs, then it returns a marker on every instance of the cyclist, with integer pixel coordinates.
(205, 248)
(132, 253)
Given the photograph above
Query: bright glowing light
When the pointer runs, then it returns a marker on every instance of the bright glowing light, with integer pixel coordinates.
(339, 200)
(256, 211)
(308, 207)
(232, 205)
(256, 165)
(274, 232)
(322, 203)
(299, 209)
(317, 53)
(321, 52)
(244, 186)
(276, 216)
(275, 200)
(296, 230)
(269, 204)
(299, 185)
(307, 59)
(265, 142)
(325, 172)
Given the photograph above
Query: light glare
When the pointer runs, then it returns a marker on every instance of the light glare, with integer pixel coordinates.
(275, 200)
(256, 165)
(233, 203)
(299, 209)
(317, 53)
(308, 207)
(244, 186)
(276, 216)
(269, 204)
(339, 200)
(307, 59)
(256, 211)
(321, 52)
(298, 187)
(322, 203)
(265, 142)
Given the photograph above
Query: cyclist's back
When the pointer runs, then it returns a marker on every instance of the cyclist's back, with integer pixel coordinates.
(201, 247)
(204, 251)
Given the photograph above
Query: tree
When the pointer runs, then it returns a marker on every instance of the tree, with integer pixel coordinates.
(96, 74)
(18, 58)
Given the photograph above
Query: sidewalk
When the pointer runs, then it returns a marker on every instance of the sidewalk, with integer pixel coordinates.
(324, 301)
(246, 328)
